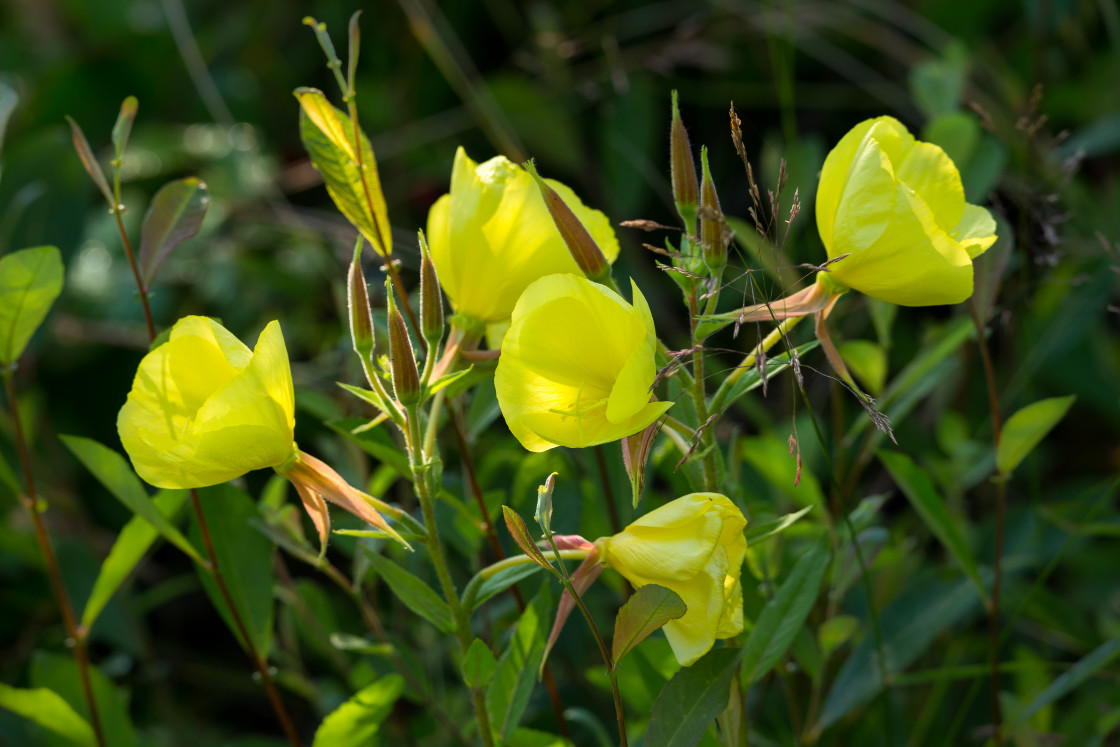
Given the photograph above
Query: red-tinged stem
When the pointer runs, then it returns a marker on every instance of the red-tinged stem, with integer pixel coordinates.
(77, 633)
(258, 660)
(135, 273)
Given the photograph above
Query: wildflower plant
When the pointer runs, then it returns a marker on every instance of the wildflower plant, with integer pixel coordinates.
(696, 603)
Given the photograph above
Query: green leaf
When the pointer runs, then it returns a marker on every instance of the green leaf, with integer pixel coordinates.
(909, 625)
(30, 281)
(128, 550)
(729, 391)
(123, 126)
(175, 215)
(90, 162)
(521, 536)
(48, 709)
(480, 589)
(245, 559)
(764, 531)
(357, 722)
(692, 699)
(513, 681)
(328, 137)
(649, 608)
(920, 491)
(1026, 428)
(8, 102)
(59, 672)
(867, 361)
(478, 665)
(1069, 680)
(957, 133)
(783, 616)
(937, 85)
(117, 476)
(416, 595)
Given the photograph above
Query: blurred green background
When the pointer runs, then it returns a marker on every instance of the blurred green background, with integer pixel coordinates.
(1023, 94)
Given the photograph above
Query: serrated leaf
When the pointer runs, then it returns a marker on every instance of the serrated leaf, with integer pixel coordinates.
(48, 709)
(692, 699)
(920, 491)
(175, 215)
(783, 616)
(245, 558)
(414, 593)
(1026, 428)
(128, 550)
(478, 665)
(357, 722)
(327, 135)
(89, 161)
(30, 281)
(112, 471)
(648, 608)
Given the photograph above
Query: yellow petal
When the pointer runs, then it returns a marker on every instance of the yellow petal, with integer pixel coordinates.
(929, 172)
(867, 201)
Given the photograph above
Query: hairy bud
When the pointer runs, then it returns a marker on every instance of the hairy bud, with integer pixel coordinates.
(357, 299)
(431, 298)
(713, 237)
(683, 170)
(583, 248)
(402, 358)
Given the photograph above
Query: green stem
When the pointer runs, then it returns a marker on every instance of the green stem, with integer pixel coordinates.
(76, 633)
(707, 437)
(420, 474)
(719, 399)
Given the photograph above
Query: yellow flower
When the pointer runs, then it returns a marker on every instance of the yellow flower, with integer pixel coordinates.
(896, 206)
(492, 236)
(577, 365)
(205, 409)
(695, 547)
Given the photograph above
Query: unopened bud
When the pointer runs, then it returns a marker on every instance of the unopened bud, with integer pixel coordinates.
(713, 238)
(357, 299)
(683, 170)
(402, 359)
(431, 298)
(583, 248)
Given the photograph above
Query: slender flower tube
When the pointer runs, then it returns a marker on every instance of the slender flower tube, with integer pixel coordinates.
(204, 409)
(695, 547)
(896, 207)
(492, 236)
(577, 365)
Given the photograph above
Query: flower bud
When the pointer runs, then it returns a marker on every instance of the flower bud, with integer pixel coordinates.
(431, 299)
(895, 206)
(584, 250)
(402, 359)
(577, 365)
(695, 547)
(713, 238)
(357, 299)
(683, 170)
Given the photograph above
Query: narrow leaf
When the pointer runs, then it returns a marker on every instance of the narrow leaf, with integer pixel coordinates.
(416, 595)
(93, 168)
(1070, 679)
(520, 534)
(8, 102)
(47, 709)
(767, 529)
(650, 607)
(784, 615)
(123, 126)
(478, 665)
(512, 685)
(59, 673)
(357, 722)
(30, 281)
(175, 215)
(1026, 428)
(692, 699)
(481, 589)
(114, 473)
(245, 558)
(328, 136)
(128, 550)
(920, 491)
(729, 391)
